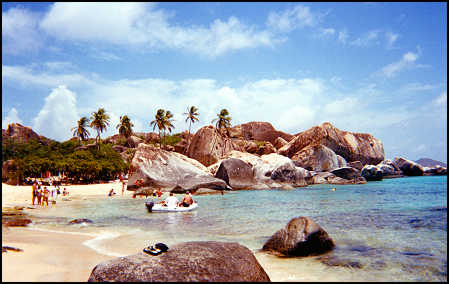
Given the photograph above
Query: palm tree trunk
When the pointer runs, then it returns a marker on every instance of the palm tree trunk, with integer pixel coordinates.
(188, 137)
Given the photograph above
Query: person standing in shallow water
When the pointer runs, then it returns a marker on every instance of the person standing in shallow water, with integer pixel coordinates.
(46, 195)
(34, 191)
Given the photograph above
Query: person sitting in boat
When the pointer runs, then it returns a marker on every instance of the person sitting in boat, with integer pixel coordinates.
(187, 200)
(170, 201)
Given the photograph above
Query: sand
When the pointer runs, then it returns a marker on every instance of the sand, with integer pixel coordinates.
(50, 256)
(22, 195)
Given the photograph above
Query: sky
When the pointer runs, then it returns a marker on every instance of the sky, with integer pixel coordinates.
(374, 67)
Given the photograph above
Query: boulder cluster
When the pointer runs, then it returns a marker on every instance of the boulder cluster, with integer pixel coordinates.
(250, 155)
(257, 156)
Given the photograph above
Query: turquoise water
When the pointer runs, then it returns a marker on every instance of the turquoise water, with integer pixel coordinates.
(390, 230)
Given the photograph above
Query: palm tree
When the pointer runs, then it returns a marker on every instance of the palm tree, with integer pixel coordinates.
(163, 121)
(80, 130)
(191, 117)
(223, 121)
(99, 121)
(125, 126)
(158, 122)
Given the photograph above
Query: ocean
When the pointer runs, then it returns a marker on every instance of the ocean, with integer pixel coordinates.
(389, 230)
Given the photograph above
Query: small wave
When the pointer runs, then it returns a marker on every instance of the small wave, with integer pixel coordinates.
(96, 242)
(31, 227)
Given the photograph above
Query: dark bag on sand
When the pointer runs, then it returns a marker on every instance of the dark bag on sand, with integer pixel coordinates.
(162, 247)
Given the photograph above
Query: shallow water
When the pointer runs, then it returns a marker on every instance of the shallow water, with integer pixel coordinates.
(390, 230)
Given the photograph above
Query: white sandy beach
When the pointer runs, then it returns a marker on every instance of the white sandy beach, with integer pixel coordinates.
(50, 256)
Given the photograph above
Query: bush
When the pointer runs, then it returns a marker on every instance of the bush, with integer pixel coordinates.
(172, 139)
(260, 143)
(34, 158)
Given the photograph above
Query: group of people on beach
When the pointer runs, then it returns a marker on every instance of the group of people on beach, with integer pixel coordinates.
(42, 193)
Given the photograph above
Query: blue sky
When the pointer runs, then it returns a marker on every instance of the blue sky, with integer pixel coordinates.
(377, 68)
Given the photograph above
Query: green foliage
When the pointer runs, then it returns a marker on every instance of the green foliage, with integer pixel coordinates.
(173, 139)
(34, 158)
(260, 143)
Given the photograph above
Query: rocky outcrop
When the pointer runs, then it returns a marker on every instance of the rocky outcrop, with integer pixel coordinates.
(351, 146)
(372, 173)
(259, 131)
(251, 147)
(318, 158)
(9, 167)
(435, 170)
(409, 168)
(280, 142)
(356, 165)
(169, 170)
(266, 149)
(389, 169)
(80, 221)
(269, 171)
(134, 141)
(185, 262)
(346, 173)
(236, 173)
(208, 146)
(300, 237)
(20, 133)
(14, 217)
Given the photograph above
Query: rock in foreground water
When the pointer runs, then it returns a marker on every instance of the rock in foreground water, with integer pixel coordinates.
(300, 237)
(185, 262)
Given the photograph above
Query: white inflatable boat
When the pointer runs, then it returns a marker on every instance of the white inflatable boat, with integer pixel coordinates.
(152, 207)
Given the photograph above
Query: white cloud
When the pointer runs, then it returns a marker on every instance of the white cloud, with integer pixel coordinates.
(407, 61)
(26, 76)
(325, 32)
(391, 39)
(19, 31)
(58, 65)
(143, 25)
(58, 115)
(418, 87)
(298, 17)
(11, 117)
(343, 36)
(367, 39)
(441, 100)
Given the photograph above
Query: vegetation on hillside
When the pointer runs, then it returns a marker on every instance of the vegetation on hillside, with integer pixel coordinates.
(34, 159)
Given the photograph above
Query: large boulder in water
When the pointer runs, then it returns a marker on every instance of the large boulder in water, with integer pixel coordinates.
(372, 173)
(318, 158)
(389, 169)
(185, 262)
(351, 146)
(346, 173)
(269, 171)
(236, 173)
(169, 170)
(300, 237)
(408, 167)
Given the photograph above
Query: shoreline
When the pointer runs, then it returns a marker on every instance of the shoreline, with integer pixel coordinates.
(48, 256)
(51, 255)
